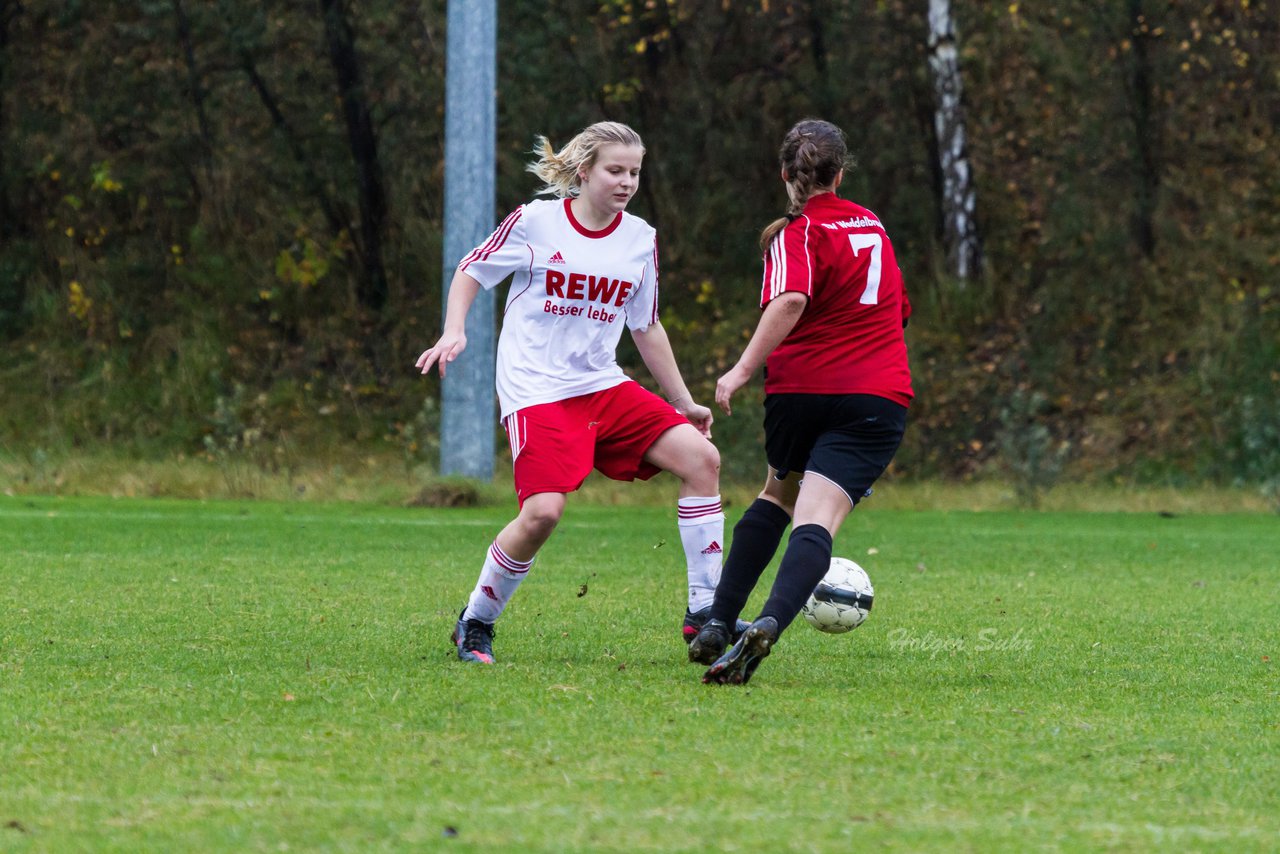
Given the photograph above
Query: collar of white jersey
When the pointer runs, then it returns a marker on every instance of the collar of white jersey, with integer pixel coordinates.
(586, 232)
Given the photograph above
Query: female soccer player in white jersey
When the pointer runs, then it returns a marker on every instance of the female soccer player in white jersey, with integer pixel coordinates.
(582, 269)
(836, 387)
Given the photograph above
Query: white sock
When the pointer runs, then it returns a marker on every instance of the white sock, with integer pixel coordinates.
(499, 578)
(701, 522)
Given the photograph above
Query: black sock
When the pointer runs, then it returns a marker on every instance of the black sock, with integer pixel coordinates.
(755, 539)
(806, 561)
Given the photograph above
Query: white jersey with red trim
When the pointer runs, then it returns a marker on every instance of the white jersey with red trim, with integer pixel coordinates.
(571, 292)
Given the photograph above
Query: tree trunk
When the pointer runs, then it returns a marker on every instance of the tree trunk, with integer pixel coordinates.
(314, 183)
(8, 11)
(960, 232)
(15, 227)
(363, 141)
(1146, 132)
(198, 93)
(824, 96)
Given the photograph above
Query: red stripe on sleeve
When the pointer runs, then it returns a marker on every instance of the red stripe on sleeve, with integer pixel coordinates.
(495, 241)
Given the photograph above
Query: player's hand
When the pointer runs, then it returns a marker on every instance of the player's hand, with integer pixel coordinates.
(448, 348)
(735, 379)
(699, 416)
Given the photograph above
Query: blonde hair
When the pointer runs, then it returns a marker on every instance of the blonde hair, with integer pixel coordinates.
(559, 170)
(812, 155)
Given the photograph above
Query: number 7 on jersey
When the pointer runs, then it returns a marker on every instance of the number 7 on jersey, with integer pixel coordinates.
(872, 241)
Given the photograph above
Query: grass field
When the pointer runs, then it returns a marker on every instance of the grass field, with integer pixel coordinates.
(192, 676)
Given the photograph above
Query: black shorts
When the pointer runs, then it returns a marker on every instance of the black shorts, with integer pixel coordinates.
(849, 439)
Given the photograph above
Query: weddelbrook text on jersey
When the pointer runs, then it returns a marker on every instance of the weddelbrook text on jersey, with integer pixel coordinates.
(578, 286)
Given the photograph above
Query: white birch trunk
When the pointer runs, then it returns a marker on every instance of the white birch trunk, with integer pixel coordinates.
(960, 232)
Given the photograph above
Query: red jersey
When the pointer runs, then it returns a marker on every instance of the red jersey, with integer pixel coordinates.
(849, 339)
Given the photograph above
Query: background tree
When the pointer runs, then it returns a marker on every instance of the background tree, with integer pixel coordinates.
(363, 141)
(957, 201)
(194, 200)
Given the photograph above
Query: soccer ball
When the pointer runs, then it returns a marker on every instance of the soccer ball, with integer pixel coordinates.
(842, 599)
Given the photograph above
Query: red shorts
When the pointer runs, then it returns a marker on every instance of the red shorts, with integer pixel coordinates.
(554, 446)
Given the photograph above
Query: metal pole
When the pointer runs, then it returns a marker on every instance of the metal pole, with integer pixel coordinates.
(467, 417)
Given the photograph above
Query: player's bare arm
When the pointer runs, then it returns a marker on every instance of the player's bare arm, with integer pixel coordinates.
(462, 293)
(779, 318)
(655, 350)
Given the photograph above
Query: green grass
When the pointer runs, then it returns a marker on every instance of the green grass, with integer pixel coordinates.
(261, 676)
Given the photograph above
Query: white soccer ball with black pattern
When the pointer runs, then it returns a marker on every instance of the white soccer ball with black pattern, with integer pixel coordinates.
(842, 599)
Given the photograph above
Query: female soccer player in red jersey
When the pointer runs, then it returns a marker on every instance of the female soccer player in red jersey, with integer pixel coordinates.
(836, 386)
(581, 270)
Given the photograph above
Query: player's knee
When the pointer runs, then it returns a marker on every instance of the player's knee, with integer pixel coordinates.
(703, 466)
(540, 519)
(782, 493)
(710, 459)
(543, 522)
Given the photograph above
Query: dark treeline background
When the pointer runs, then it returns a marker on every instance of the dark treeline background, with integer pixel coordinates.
(220, 220)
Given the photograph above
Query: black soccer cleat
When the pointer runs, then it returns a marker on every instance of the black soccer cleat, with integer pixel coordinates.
(473, 640)
(695, 620)
(709, 643)
(736, 666)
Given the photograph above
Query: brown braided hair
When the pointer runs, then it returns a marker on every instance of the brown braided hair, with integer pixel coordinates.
(812, 155)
